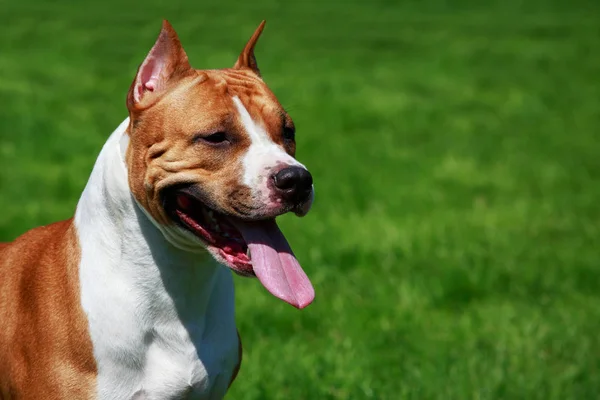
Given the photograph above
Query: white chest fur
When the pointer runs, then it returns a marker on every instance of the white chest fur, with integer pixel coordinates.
(161, 319)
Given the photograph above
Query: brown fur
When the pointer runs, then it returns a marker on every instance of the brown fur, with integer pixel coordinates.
(45, 347)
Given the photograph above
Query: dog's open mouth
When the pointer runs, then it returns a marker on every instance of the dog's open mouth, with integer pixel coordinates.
(250, 248)
(215, 230)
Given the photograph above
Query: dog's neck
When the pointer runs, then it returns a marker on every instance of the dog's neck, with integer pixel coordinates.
(135, 283)
(119, 225)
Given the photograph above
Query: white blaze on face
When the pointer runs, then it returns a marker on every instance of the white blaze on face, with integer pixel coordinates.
(262, 156)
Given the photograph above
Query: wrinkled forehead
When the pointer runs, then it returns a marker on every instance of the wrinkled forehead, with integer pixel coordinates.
(251, 90)
(217, 95)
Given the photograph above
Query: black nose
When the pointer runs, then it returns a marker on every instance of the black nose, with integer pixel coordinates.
(293, 184)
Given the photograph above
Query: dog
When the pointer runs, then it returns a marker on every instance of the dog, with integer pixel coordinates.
(130, 298)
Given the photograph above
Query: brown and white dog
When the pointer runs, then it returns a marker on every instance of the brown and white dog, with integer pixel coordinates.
(125, 300)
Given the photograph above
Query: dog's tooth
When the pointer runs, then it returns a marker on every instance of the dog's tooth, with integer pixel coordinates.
(248, 252)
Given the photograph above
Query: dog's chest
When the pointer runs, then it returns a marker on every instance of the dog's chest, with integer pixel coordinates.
(161, 339)
(171, 359)
(182, 363)
(172, 368)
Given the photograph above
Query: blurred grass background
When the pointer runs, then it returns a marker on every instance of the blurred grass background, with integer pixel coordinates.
(454, 242)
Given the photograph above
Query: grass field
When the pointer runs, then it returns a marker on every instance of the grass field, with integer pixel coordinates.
(455, 240)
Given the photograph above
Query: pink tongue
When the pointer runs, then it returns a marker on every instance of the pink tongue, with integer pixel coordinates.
(274, 263)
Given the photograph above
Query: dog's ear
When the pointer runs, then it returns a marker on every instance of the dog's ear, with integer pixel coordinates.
(247, 59)
(165, 64)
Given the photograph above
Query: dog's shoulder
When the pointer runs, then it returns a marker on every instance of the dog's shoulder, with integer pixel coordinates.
(43, 324)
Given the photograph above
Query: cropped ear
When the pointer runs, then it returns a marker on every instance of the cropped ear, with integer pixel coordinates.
(247, 59)
(165, 64)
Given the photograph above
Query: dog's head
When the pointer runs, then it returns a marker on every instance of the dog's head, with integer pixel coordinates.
(211, 160)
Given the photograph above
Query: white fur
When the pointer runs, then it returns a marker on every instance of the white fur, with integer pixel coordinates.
(262, 156)
(161, 318)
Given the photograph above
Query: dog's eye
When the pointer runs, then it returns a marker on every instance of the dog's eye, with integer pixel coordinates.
(289, 133)
(215, 138)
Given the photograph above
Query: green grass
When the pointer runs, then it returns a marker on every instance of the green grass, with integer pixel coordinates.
(454, 243)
